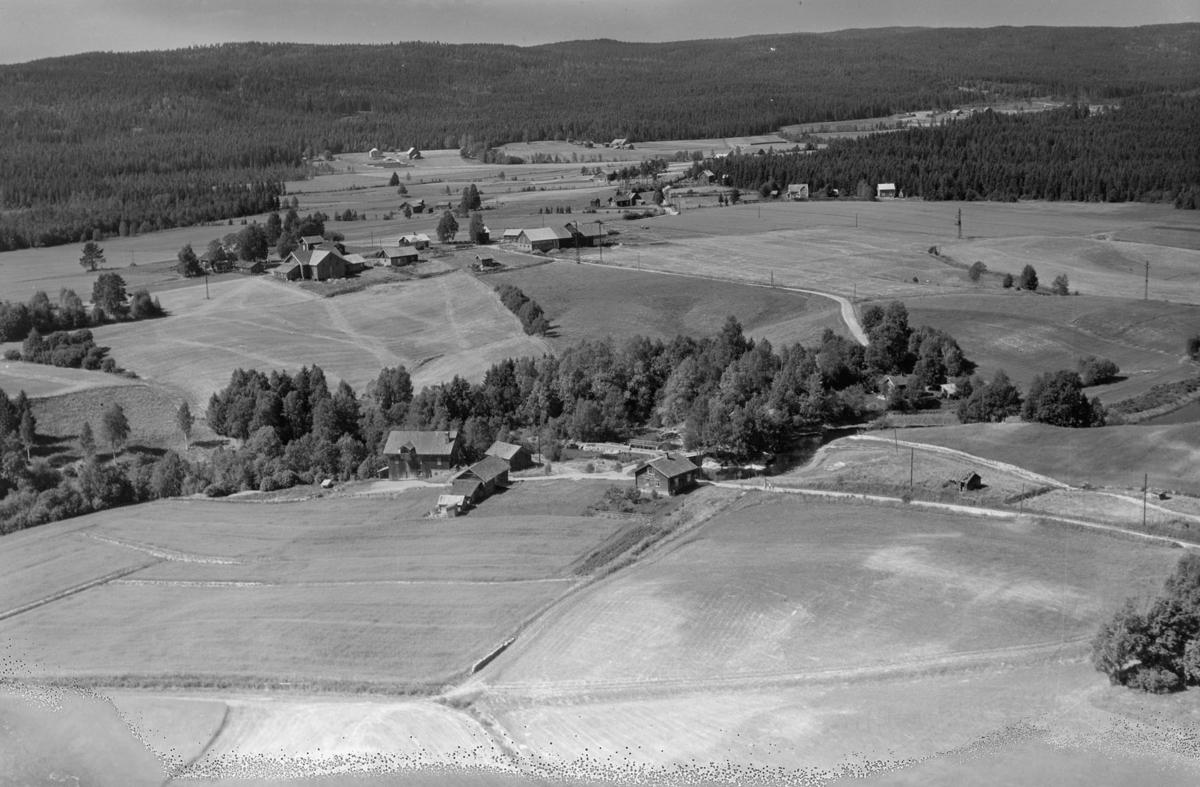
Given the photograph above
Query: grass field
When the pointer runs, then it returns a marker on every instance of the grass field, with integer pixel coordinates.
(437, 328)
(346, 591)
(819, 639)
(587, 301)
(38, 381)
(1027, 335)
(1093, 266)
(1116, 456)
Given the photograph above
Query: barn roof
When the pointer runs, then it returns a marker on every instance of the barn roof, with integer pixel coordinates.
(439, 443)
(451, 500)
(592, 230)
(489, 468)
(547, 233)
(312, 239)
(887, 186)
(505, 451)
(416, 237)
(465, 487)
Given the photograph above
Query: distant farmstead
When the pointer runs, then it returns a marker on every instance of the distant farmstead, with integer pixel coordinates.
(669, 475)
(797, 191)
(412, 454)
(543, 239)
(417, 240)
(318, 265)
(885, 191)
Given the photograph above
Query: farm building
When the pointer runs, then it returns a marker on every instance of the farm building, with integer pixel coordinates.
(490, 473)
(510, 236)
(486, 262)
(450, 506)
(896, 382)
(319, 264)
(669, 474)
(625, 199)
(356, 263)
(948, 391)
(400, 257)
(692, 199)
(288, 271)
(411, 153)
(967, 480)
(797, 191)
(543, 239)
(885, 191)
(603, 178)
(469, 489)
(374, 153)
(517, 456)
(586, 235)
(250, 268)
(412, 454)
(418, 240)
(215, 263)
(415, 207)
(708, 176)
(310, 242)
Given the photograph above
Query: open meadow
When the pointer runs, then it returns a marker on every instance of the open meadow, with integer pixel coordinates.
(348, 592)
(589, 302)
(437, 328)
(1027, 335)
(1116, 456)
(810, 640)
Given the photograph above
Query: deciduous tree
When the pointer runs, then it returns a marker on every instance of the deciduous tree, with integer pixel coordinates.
(189, 264)
(184, 420)
(1029, 279)
(116, 427)
(447, 227)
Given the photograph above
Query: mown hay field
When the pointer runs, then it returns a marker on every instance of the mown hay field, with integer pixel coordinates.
(436, 328)
(37, 380)
(1117, 456)
(1026, 335)
(790, 635)
(589, 302)
(350, 590)
(776, 586)
(1093, 266)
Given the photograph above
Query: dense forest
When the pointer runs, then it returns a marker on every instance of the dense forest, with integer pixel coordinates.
(1147, 149)
(129, 142)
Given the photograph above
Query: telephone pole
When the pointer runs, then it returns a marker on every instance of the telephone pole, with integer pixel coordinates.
(912, 458)
(1145, 487)
(959, 223)
(1146, 294)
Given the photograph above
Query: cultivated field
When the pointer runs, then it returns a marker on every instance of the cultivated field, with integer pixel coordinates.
(436, 327)
(343, 592)
(1116, 456)
(1028, 334)
(587, 302)
(823, 638)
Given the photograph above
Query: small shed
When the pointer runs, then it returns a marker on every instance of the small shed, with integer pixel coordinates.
(967, 480)
(897, 382)
(486, 262)
(669, 474)
(374, 153)
(288, 271)
(252, 268)
(450, 506)
(510, 236)
(948, 391)
(885, 191)
(517, 456)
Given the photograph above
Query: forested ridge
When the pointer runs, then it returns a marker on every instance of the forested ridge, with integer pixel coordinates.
(1147, 149)
(136, 141)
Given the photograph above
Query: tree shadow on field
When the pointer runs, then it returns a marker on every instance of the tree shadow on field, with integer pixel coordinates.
(147, 451)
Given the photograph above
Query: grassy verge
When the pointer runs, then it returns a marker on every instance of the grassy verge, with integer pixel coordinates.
(1159, 400)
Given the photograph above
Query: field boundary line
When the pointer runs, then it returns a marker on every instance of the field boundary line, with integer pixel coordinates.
(1009, 656)
(994, 513)
(162, 553)
(1002, 467)
(75, 589)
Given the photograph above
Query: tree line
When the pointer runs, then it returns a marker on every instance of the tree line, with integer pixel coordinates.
(110, 303)
(1143, 150)
(134, 142)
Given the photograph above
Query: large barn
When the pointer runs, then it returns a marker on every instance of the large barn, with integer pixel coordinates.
(412, 454)
(517, 456)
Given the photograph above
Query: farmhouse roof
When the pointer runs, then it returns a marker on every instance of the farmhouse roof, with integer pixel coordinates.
(593, 230)
(965, 474)
(898, 380)
(395, 254)
(887, 186)
(445, 501)
(489, 468)
(312, 239)
(505, 451)
(670, 465)
(514, 234)
(619, 142)
(439, 443)
(415, 237)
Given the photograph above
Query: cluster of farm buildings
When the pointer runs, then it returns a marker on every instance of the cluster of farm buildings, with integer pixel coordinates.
(439, 454)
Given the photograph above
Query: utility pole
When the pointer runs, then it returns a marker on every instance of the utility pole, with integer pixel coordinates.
(1022, 497)
(1146, 294)
(1145, 486)
(912, 458)
(772, 278)
(896, 439)
(855, 221)
(959, 223)
(206, 285)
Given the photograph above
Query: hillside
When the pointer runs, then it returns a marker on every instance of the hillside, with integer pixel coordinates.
(163, 139)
